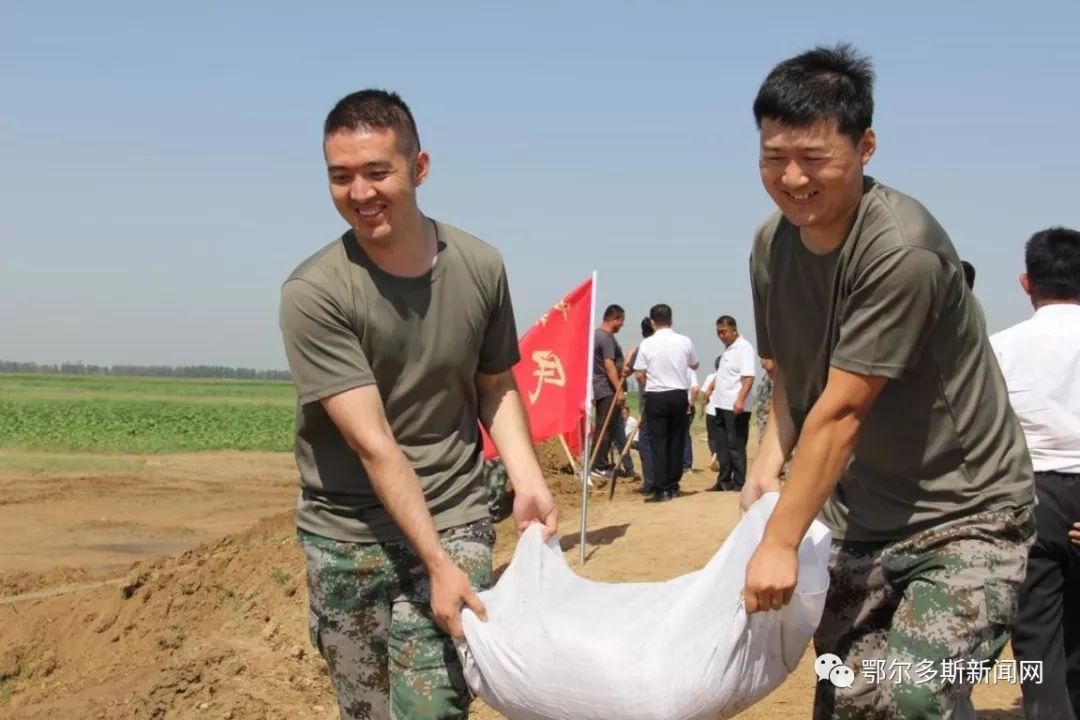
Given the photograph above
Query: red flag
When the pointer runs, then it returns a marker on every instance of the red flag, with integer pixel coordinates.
(554, 370)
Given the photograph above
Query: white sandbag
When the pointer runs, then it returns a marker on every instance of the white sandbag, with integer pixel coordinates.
(557, 646)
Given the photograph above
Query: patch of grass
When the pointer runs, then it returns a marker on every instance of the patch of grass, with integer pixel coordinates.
(8, 683)
(79, 413)
(283, 538)
(280, 576)
(143, 426)
(85, 386)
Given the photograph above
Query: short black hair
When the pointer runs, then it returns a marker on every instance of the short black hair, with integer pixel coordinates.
(727, 320)
(614, 311)
(1052, 260)
(660, 314)
(646, 328)
(969, 274)
(825, 83)
(374, 110)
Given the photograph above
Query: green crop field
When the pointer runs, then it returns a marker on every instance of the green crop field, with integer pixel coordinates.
(143, 415)
(105, 414)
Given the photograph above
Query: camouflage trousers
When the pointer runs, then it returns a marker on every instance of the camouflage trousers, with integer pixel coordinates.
(905, 615)
(371, 620)
(500, 491)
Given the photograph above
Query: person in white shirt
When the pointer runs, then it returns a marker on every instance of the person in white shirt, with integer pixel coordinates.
(1040, 359)
(708, 409)
(661, 364)
(691, 397)
(630, 424)
(643, 444)
(729, 394)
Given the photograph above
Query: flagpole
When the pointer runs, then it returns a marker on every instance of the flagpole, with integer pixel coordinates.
(588, 424)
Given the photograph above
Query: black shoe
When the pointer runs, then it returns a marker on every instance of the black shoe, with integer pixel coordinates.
(644, 490)
(661, 496)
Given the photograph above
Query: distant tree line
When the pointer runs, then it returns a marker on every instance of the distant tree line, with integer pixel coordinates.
(184, 371)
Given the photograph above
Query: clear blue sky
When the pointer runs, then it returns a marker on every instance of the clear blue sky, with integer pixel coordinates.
(162, 171)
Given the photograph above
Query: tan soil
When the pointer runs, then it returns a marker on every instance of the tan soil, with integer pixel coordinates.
(98, 523)
(219, 630)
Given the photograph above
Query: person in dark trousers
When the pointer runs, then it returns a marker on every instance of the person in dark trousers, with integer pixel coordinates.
(731, 392)
(708, 411)
(607, 390)
(661, 363)
(644, 446)
(1040, 359)
(692, 396)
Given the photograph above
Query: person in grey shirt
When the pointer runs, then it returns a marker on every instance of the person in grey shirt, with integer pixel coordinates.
(607, 391)
(885, 378)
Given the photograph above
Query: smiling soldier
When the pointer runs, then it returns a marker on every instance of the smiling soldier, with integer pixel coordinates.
(885, 378)
(400, 336)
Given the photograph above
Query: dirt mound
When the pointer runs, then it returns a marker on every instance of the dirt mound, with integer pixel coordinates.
(552, 457)
(20, 582)
(218, 631)
(561, 477)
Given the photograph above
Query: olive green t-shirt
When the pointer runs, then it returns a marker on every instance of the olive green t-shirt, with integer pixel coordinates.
(941, 441)
(348, 324)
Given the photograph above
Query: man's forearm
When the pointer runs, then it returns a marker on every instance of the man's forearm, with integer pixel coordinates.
(503, 414)
(398, 489)
(825, 448)
(359, 415)
(779, 438)
(826, 444)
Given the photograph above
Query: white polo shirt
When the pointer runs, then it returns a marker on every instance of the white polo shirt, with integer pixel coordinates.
(738, 361)
(665, 357)
(1040, 359)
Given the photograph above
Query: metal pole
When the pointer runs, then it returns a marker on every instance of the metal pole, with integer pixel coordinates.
(588, 409)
